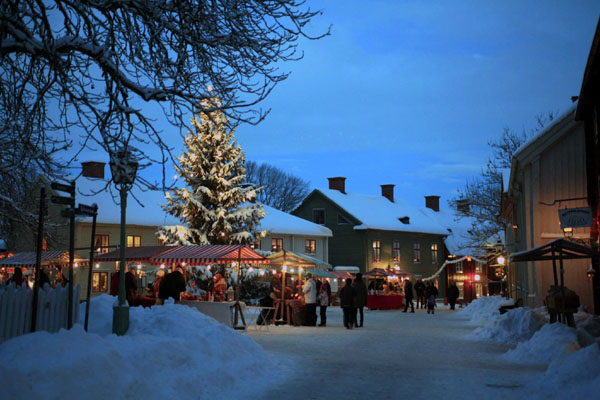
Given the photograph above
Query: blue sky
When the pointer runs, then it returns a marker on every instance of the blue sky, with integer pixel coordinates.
(410, 92)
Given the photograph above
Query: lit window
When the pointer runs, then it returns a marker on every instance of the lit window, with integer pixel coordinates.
(416, 253)
(134, 241)
(276, 244)
(376, 250)
(101, 243)
(319, 216)
(478, 268)
(100, 282)
(459, 268)
(310, 246)
(434, 253)
(396, 250)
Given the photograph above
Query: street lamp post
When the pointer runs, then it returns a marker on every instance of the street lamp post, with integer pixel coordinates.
(124, 168)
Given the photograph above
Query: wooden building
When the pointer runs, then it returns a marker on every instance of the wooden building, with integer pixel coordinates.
(548, 174)
(376, 231)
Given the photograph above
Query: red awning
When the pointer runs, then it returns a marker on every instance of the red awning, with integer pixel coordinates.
(142, 254)
(49, 258)
(210, 254)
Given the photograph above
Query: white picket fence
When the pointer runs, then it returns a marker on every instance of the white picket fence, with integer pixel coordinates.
(52, 311)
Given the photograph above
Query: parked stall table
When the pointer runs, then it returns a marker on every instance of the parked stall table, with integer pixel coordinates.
(221, 311)
(383, 302)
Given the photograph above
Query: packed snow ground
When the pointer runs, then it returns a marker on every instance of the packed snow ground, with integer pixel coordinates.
(176, 352)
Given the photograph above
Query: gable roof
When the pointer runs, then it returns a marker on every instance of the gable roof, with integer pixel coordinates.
(276, 221)
(458, 241)
(377, 212)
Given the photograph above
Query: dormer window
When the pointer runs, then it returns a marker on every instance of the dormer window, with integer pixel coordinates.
(405, 220)
(341, 220)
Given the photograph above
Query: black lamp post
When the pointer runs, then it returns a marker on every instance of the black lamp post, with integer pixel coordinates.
(124, 168)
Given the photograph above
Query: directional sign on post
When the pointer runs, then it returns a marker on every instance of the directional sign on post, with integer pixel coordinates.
(63, 188)
(62, 200)
(83, 209)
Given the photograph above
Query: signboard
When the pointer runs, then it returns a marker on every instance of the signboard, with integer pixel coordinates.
(576, 217)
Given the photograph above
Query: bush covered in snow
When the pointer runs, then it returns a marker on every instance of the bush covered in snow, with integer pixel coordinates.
(547, 344)
(515, 326)
(484, 309)
(169, 351)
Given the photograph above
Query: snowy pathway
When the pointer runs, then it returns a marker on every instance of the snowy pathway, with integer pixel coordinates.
(395, 355)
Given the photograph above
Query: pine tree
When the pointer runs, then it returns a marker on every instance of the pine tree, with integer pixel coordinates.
(213, 204)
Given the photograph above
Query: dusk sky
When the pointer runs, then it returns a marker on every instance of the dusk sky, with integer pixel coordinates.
(410, 92)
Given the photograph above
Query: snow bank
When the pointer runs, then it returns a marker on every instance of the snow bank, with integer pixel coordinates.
(515, 326)
(547, 344)
(171, 351)
(484, 309)
(576, 375)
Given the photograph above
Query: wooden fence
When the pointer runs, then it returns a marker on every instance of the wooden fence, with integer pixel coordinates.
(53, 306)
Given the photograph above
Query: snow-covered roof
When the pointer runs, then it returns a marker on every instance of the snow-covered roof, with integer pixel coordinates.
(377, 212)
(457, 241)
(109, 212)
(277, 221)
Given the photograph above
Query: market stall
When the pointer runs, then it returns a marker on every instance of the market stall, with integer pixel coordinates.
(231, 312)
(384, 299)
(55, 261)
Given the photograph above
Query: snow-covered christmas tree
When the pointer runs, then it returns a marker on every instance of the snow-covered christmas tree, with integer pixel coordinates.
(214, 204)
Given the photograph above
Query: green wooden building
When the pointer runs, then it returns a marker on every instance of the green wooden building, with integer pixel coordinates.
(377, 231)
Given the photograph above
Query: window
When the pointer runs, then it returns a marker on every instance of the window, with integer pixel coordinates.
(376, 250)
(461, 289)
(459, 268)
(478, 268)
(100, 282)
(342, 220)
(310, 246)
(134, 241)
(255, 245)
(276, 244)
(101, 243)
(396, 250)
(319, 216)
(434, 253)
(416, 253)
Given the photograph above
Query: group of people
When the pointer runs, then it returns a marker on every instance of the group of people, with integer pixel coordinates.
(164, 287)
(19, 279)
(426, 295)
(353, 299)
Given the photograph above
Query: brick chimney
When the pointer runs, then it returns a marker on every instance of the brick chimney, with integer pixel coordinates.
(432, 202)
(387, 191)
(338, 183)
(462, 206)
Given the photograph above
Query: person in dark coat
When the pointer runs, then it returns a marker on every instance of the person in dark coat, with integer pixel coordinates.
(18, 277)
(408, 295)
(131, 288)
(420, 290)
(324, 300)
(452, 294)
(172, 285)
(347, 295)
(360, 299)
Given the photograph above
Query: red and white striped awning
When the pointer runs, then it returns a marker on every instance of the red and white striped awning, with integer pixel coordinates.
(210, 254)
(142, 254)
(49, 258)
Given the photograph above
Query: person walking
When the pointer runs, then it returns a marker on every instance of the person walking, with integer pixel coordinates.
(453, 294)
(324, 300)
(360, 299)
(310, 300)
(420, 291)
(408, 295)
(347, 295)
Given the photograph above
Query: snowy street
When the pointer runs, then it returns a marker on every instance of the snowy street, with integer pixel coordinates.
(395, 355)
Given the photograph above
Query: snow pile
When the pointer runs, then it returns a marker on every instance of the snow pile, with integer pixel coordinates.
(547, 344)
(576, 375)
(171, 351)
(517, 325)
(484, 309)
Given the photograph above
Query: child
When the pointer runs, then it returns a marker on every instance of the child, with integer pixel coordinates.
(431, 304)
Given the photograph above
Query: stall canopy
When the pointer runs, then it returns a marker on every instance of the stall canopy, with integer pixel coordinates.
(141, 254)
(292, 259)
(57, 258)
(551, 250)
(210, 254)
(377, 273)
